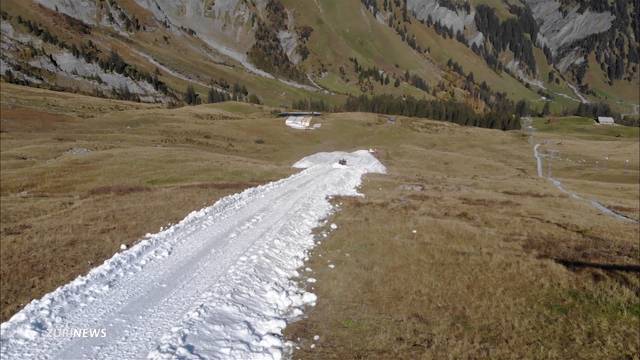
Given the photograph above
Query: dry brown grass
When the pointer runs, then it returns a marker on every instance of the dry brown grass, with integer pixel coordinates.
(474, 281)
(64, 212)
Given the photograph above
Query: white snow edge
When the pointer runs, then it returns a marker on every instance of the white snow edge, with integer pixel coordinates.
(243, 315)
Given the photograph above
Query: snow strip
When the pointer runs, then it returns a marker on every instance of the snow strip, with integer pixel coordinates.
(221, 284)
(558, 184)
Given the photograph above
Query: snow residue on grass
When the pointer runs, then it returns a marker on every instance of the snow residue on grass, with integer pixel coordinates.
(221, 284)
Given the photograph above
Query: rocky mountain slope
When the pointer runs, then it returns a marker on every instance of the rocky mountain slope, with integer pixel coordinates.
(477, 52)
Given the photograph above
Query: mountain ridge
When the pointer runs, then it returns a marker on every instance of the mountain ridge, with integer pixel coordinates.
(282, 51)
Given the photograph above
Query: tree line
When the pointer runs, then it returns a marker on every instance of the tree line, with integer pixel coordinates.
(450, 111)
(514, 34)
(214, 95)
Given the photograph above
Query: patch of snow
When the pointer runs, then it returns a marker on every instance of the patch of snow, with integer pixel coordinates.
(219, 284)
(358, 159)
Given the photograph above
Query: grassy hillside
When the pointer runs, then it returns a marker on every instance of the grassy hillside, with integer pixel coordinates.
(585, 128)
(181, 60)
(450, 253)
(441, 50)
(337, 31)
(623, 95)
(343, 30)
(603, 170)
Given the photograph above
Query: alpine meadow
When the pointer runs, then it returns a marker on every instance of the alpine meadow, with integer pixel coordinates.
(319, 179)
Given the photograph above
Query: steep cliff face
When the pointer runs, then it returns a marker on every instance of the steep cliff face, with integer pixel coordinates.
(560, 31)
(29, 59)
(548, 45)
(460, 19)
(228, 27)
(225, 25)
(448, 49)
(572, 30)
(457, 18)
(83, 10)
(96, 13)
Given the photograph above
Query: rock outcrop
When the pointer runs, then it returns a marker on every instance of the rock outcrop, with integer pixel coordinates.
(558, 31)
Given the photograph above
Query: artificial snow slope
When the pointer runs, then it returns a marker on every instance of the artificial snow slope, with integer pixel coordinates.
(218, 285)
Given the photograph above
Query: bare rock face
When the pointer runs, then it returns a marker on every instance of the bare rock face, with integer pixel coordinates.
(83, 10)
(558, 31)
(225, 25)
(289, 40)
(459, 20)
(91, 12)
(63, 65)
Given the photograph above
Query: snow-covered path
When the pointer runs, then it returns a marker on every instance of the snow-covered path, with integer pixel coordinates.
(220, 284)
